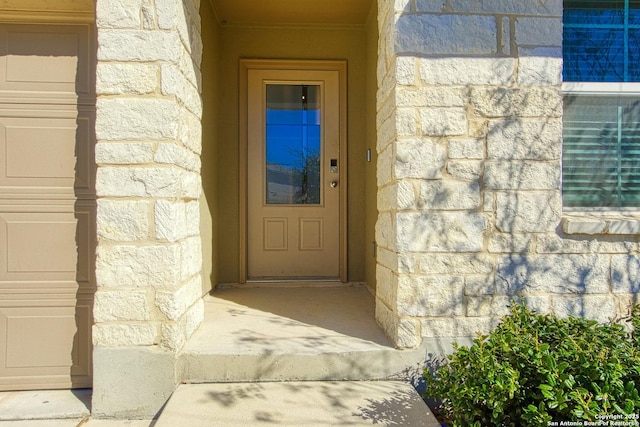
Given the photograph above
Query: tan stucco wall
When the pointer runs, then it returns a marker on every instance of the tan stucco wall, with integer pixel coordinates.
(371, 188)
(289, 43)
(210, 79)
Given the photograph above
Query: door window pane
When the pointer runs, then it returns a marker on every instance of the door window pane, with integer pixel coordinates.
(293, 148)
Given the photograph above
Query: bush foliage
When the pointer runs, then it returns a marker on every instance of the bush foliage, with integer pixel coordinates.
(533, 369)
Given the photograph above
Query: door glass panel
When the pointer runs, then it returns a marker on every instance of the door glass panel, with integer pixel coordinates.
(293, 144)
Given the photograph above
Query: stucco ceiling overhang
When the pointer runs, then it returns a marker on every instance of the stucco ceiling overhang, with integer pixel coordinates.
(292, 12)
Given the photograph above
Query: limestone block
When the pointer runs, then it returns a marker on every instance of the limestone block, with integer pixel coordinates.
(467, 71)
(131, 78)
(522, 175)
(540, 7)
(398, 196)
(172, 154)
(138, 266)
(387, 319)
(457, 327)
(388, 259)
(440, 232)
(194, 317)
(525, 140)
(625, 274)
(465, 170)
(552, 243)
(432, 296)
(406, 122)
(170, 220)
(386, 134)
(597, 307)
(171, 15)
(488, 306)
(537, 31)
(384, 231)
(139, 182)
(123, 220)
(175, 303)
(406, 263)
(505, 42)
(191, 249)
(190, 185)
(583, 225)
(517, 102)
(418, 158)
(173, 335)
(148, 16)
(528, 212)
(444, 121)
(138, 45)
(431, 96)
(427, 34)
(624, 226)
(452, 263)
(405, 70)
(387, 285)
(431, 6)
(552, 274)
(510, 243)
(540, 70)
(190, 132)
(118, 13)
(479, 285)
(449, 195)
(193, 218)
(124, 334)
(136, 119)
(124, 153)
(408, 333)
(466, 148)
(173, 82)
(121, 305)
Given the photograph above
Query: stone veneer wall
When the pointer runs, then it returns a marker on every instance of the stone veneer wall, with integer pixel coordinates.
(469, 176)
(148, 131)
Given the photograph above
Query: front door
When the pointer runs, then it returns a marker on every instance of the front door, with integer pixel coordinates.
(295, 174)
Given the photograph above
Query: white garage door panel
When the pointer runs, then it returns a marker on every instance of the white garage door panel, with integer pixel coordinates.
(47, 205)
(46, 152)
(46, 344)
(52, 60)
(46, 246)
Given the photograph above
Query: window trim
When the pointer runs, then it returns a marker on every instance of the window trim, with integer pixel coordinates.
(601, 88)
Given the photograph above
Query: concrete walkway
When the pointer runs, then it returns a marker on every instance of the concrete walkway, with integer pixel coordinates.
(54, 408)
(299, 404)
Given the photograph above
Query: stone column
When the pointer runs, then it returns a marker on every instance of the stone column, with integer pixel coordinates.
(148, 132)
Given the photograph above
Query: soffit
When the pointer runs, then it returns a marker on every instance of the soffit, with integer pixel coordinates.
(292, 12)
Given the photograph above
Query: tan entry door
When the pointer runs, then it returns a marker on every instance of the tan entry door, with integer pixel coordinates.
(295, 174)
(47, 205)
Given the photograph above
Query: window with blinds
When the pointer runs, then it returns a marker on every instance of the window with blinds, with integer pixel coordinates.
(601, 151)
(601, 136)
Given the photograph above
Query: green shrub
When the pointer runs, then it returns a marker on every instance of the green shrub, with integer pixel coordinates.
(533, 369)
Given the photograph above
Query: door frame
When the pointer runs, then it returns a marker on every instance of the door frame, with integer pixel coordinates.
(299, 65)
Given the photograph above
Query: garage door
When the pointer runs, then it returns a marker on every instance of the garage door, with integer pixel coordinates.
(47, 205)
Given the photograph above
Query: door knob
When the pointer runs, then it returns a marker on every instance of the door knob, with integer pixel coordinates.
(334, 184)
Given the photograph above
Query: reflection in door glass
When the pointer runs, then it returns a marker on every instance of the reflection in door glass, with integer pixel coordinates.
(293, 144)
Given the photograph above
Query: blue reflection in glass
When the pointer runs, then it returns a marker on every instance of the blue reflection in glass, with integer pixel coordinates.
(293, 144)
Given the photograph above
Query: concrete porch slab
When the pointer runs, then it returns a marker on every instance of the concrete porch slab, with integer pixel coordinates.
(45, 404)
(299, 404)
(292, 334)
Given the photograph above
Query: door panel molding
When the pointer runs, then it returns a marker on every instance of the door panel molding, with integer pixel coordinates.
(338, 66)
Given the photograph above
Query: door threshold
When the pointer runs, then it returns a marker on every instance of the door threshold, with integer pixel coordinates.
(291, 283)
